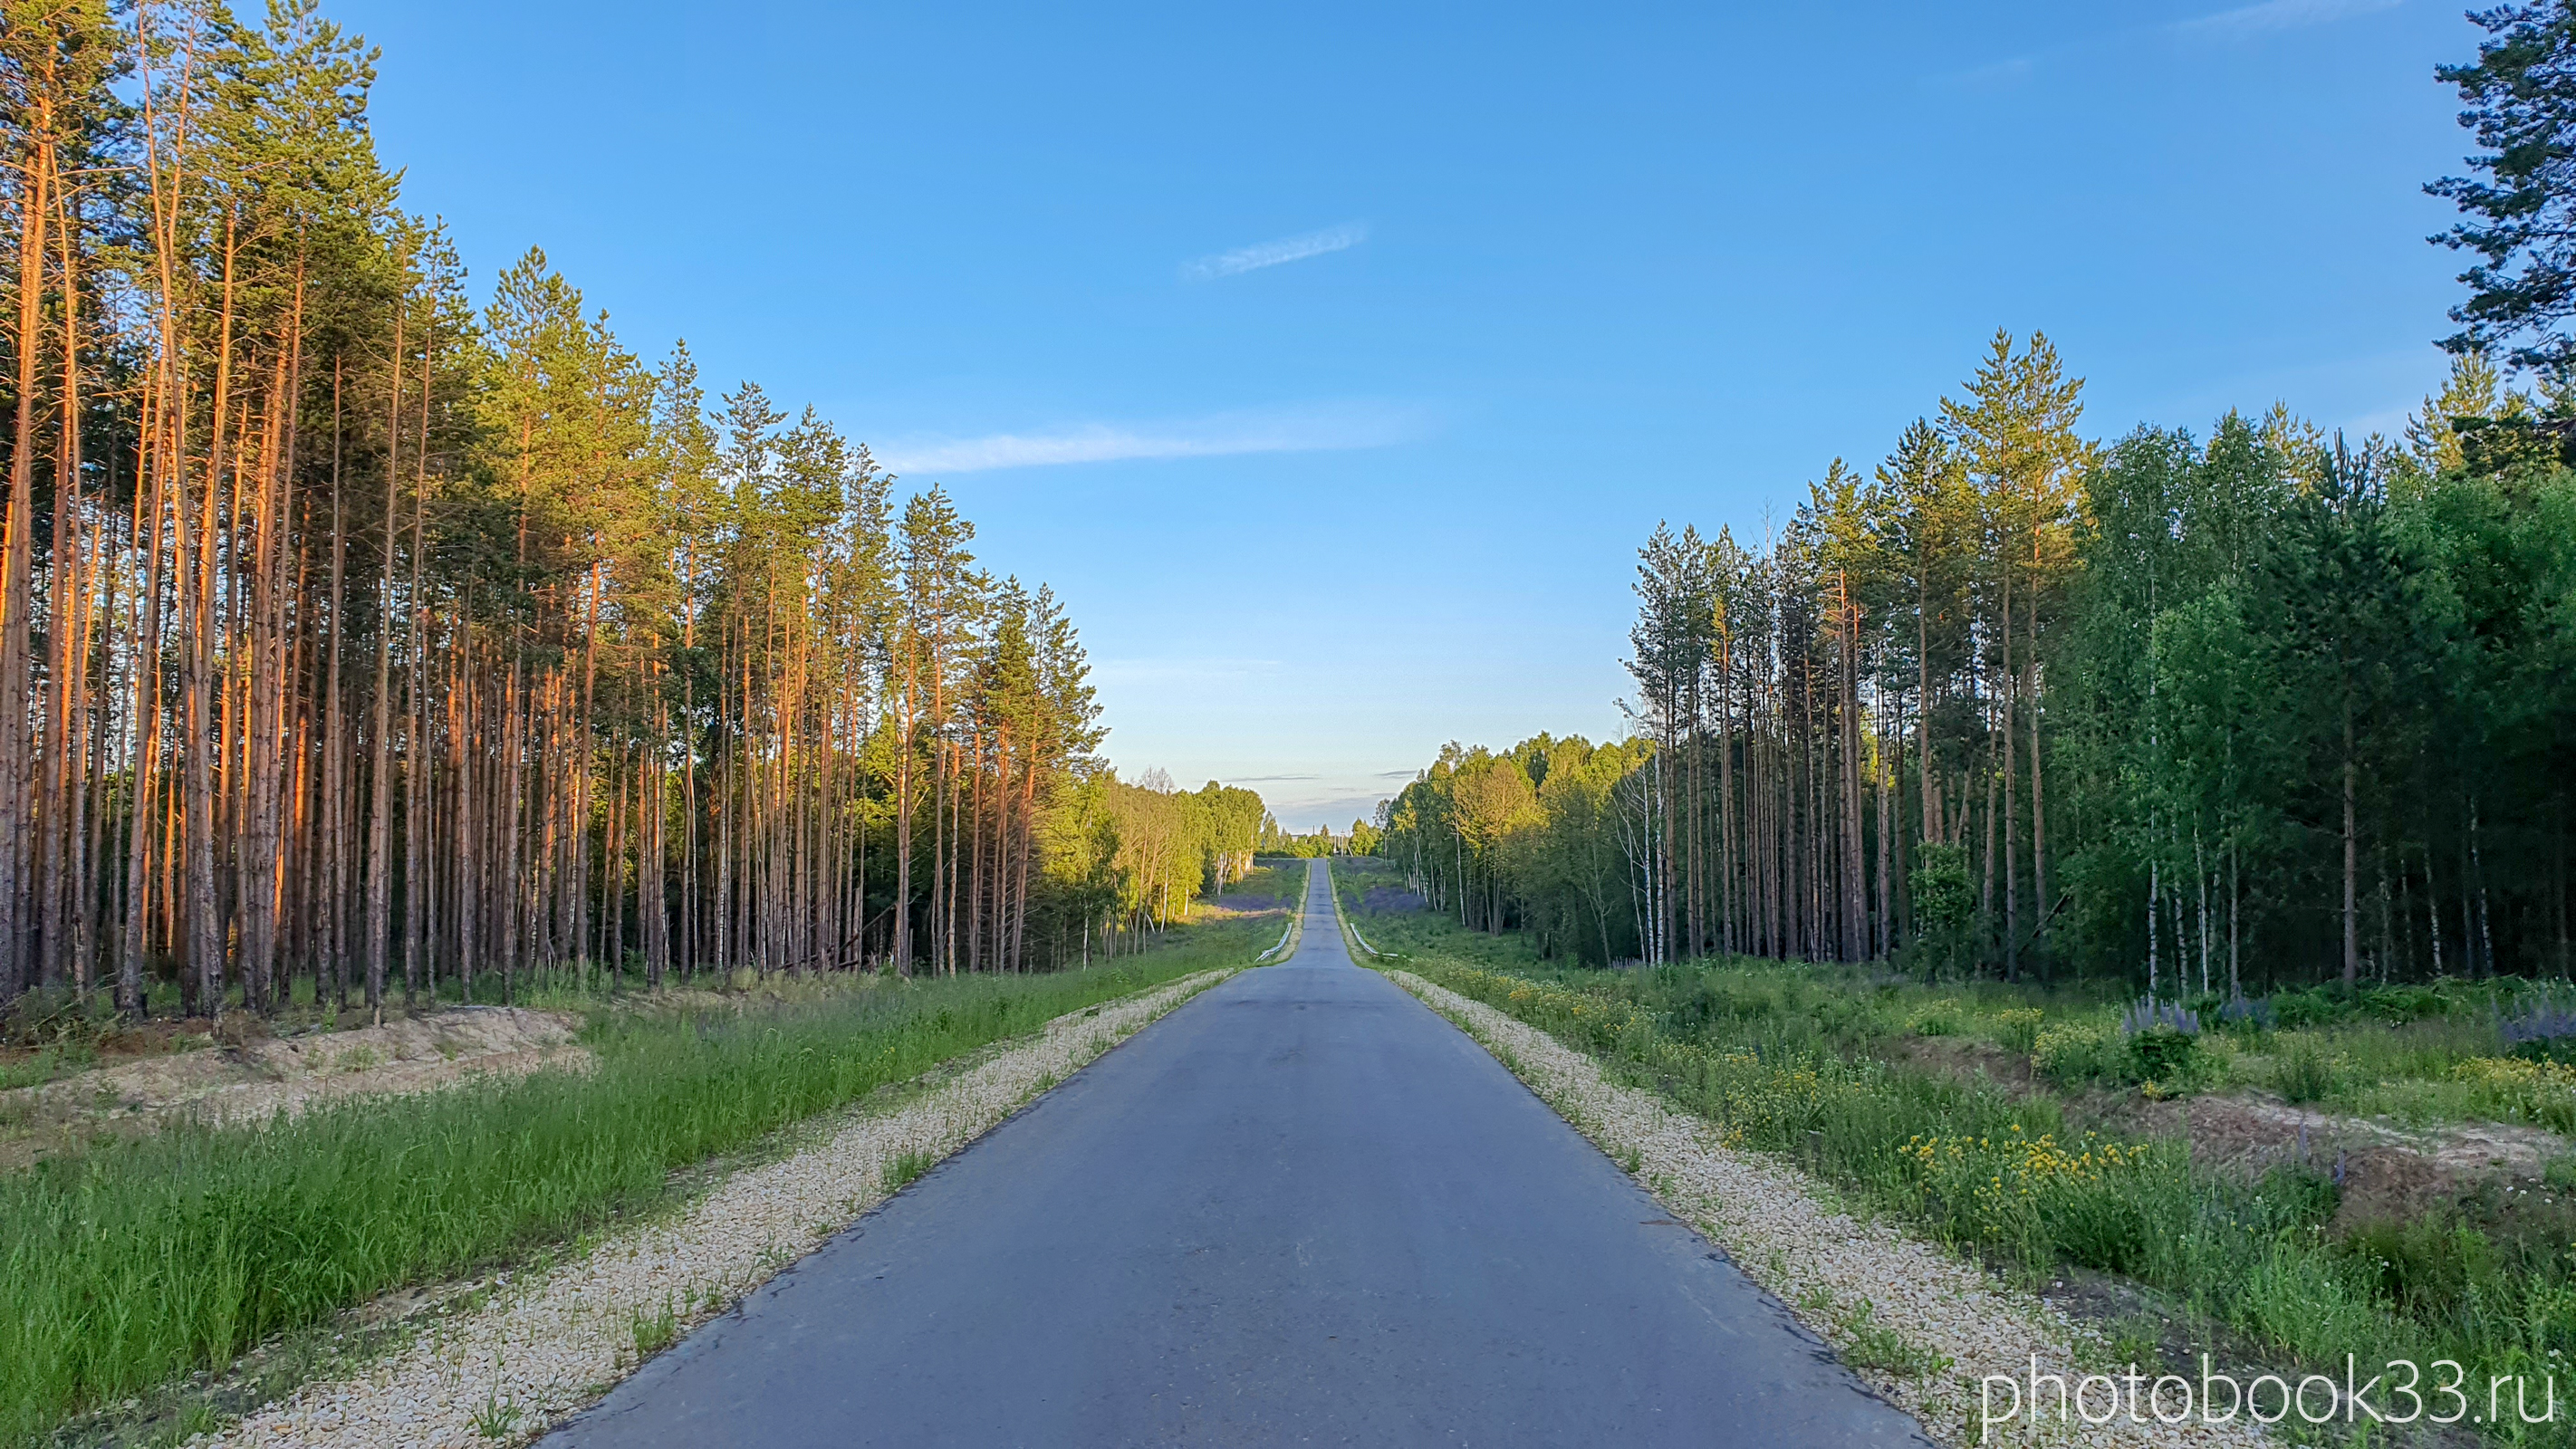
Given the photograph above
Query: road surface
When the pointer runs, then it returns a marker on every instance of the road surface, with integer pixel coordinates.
(1301, 1209)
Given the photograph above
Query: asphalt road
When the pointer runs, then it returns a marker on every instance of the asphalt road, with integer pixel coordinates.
(1301, 1209)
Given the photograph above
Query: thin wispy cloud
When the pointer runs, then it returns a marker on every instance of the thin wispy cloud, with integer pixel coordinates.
(2273, 15)
(1998, 72)
(1299, 813)
(2243, 22)
(1331, 427)
(1277, 253)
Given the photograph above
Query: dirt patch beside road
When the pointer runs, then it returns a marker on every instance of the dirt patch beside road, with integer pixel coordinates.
(255, 1080)
(2388, 1173)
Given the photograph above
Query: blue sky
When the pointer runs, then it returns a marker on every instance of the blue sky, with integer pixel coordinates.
(1333, 360)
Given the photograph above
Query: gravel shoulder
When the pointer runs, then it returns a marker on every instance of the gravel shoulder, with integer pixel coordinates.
(1876, 1294)
(542, 1344)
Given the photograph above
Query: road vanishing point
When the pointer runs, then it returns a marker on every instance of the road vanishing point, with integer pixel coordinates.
(1300, 1209)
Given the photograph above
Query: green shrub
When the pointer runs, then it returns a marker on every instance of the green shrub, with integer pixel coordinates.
(2167, 1060)
(2246, 1019)
(1941, 1018)
(2559, 1049)
(2312, 1006)
(1979, 1166)
(2543, 1030)
(2514, 1089)
(2017, 1029)
(2304, 1070)
(2425, 1265)
(1945, 913)
(2073, 1053)
(2398, 1005)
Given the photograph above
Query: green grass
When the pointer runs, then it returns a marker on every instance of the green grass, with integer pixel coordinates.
(1794, 1059)
(497, 1419)
(1874, 1345)
(1275, 882)
(657, 1330)
(48, 1063)
(907, 1169)
(138, 1263)
(2422, 1054)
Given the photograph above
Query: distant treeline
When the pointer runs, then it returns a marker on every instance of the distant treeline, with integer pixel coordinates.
(353, 635)
(2263, 707)
(1361, 840)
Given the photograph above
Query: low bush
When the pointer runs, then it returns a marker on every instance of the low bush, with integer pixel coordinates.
(2396, 1005)
(2400, 1003)
(2164, 1048)
(2079, 1053)
(2017, 1029)
(2305, 1070)
(2385, 1050)
(2310, 1006)
(1944, 945)
(2167, 1062)
(2253, 1018)
(2517, 1089)
(2542, 1031)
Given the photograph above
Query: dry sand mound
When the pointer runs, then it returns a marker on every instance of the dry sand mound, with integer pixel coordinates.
(258, 1079)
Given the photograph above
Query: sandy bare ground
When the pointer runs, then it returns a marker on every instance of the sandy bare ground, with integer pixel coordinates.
(266, 1076)
(2389, 1173)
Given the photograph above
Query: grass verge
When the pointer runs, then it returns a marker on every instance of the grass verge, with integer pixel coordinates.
(1275, 883)
(144, 1262)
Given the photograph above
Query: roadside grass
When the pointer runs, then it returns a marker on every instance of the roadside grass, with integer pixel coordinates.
(1871, 1344)
(1275, 882)
(140, 1263)
(53, 1032)
(657, 1330)
(2421, 1055)
(1794, 1060)
(1355, 876)
(47, 1063)
(907, 1169)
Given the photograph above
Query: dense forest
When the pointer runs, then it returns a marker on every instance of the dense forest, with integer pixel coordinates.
(351, 632)
(2266, 706)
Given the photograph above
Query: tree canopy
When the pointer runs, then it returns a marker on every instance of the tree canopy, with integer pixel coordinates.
(2519, 203)
(353, 631)
(2263, 707)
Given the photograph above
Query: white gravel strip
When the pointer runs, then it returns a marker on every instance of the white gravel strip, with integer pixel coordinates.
(551, 1342)
(1829, 1267)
